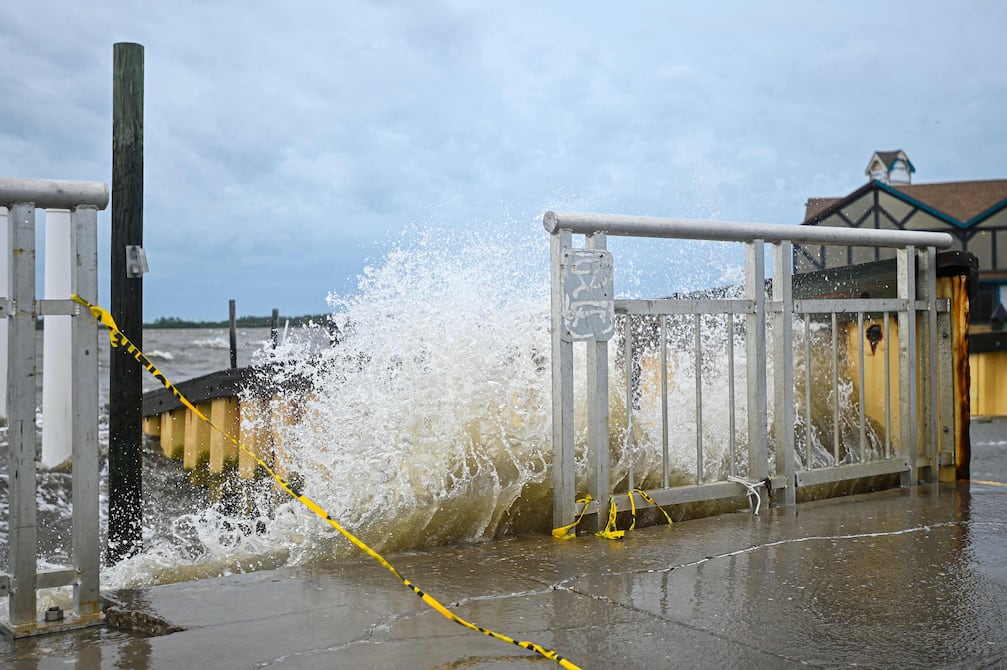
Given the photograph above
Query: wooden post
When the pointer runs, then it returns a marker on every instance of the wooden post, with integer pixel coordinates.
(125, 456)
(234, 334)
(273, 322)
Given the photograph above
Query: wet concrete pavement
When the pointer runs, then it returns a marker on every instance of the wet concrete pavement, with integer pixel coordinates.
(910, 578)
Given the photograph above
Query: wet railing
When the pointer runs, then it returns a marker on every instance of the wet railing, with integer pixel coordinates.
(778, 400)
(74, 206)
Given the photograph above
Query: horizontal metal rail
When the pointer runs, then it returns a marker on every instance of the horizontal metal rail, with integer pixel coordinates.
(725, 231)
(865, 305)
(53, 193)
(670, 306)
(679, 495)
(836, 473)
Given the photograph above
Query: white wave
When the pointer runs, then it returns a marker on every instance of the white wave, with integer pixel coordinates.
(212, 343)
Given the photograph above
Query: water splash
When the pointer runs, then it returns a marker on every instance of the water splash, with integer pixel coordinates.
(428, 422)
(420, 414)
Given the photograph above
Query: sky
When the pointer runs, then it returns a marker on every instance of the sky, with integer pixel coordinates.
(288, 144)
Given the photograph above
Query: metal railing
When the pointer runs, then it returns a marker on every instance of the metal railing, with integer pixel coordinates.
(585, 309)
(21, 309)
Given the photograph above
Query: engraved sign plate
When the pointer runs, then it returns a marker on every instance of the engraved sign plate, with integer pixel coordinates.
(588, 296)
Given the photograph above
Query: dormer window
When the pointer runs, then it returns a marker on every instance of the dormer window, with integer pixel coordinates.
(890, 167)
(899, 174)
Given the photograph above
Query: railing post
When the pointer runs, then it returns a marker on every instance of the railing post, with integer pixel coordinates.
(755, 348)
(929, 402)
(597, 412)
(631, 386)
(84, 404)
(563, 484)
(21, 433)
(908, 442)
(783, 367)
(4, 291)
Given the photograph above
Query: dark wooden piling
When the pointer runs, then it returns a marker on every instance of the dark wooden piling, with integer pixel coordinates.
(231, 310)
(125, 487)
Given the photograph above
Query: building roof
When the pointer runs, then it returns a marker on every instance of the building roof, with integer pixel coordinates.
(962, 202)
(815, 206)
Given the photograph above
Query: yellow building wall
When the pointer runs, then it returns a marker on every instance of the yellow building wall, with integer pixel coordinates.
(989, 376)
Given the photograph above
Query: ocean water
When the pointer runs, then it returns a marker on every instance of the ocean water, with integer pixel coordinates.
(186, 354)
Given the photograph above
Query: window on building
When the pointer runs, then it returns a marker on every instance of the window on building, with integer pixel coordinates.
(986, 301)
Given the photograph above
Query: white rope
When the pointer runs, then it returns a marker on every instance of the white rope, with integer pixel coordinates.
(753, 490)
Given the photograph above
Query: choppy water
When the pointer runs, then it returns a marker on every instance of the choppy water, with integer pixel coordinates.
(187, 353)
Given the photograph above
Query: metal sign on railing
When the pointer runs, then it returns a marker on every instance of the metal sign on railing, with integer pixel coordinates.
(588, 296)
(21, 308)
(584, 309)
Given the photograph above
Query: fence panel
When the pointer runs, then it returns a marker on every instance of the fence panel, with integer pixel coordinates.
(683, 351)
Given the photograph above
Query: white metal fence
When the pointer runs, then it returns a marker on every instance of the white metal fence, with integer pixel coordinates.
(761, 421)
(20, 308)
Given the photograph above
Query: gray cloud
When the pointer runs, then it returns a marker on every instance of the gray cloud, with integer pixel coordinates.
(285, 144)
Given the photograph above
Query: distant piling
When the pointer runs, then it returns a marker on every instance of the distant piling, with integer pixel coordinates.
(233, 321)
(125, 455)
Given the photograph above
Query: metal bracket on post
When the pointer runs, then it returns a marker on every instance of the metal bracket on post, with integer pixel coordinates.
(136, 262)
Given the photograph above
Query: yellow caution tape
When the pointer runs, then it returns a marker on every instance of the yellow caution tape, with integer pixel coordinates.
(569, 532)
(646, 496)
(632, 511)
(118, 339)
(610, 532)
